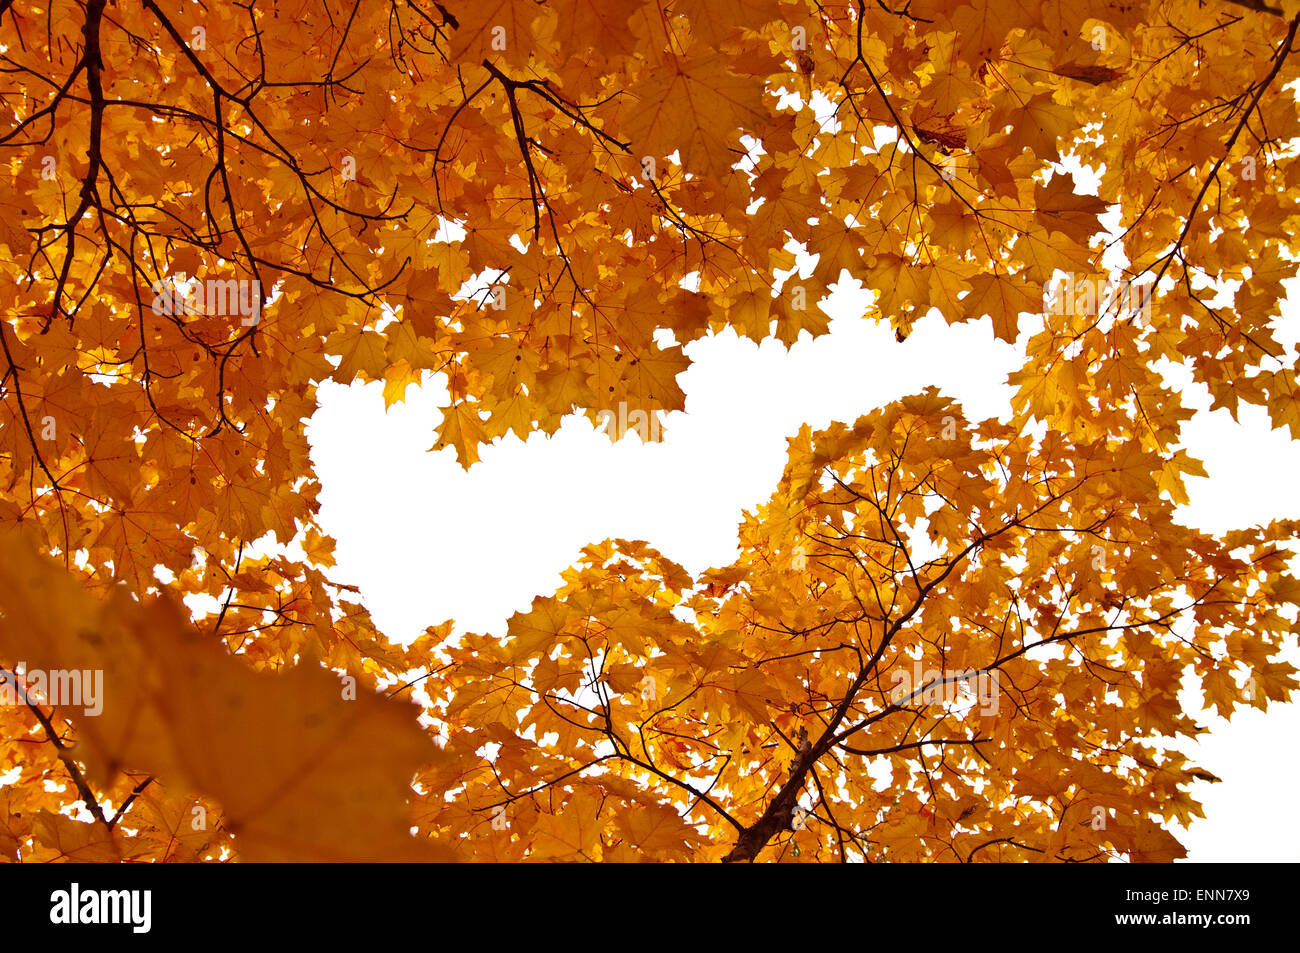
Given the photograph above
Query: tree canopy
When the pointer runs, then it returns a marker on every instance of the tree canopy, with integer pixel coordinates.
(943, 638)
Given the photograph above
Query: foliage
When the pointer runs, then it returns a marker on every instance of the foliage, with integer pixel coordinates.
(546, 203)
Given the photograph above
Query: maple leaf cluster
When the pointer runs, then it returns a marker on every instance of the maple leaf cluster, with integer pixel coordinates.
(208, 211)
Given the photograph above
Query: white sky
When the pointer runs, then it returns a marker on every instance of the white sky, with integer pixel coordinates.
(425, 541)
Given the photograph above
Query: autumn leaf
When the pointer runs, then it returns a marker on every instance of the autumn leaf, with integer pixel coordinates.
(539, 208)
(299, 771)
